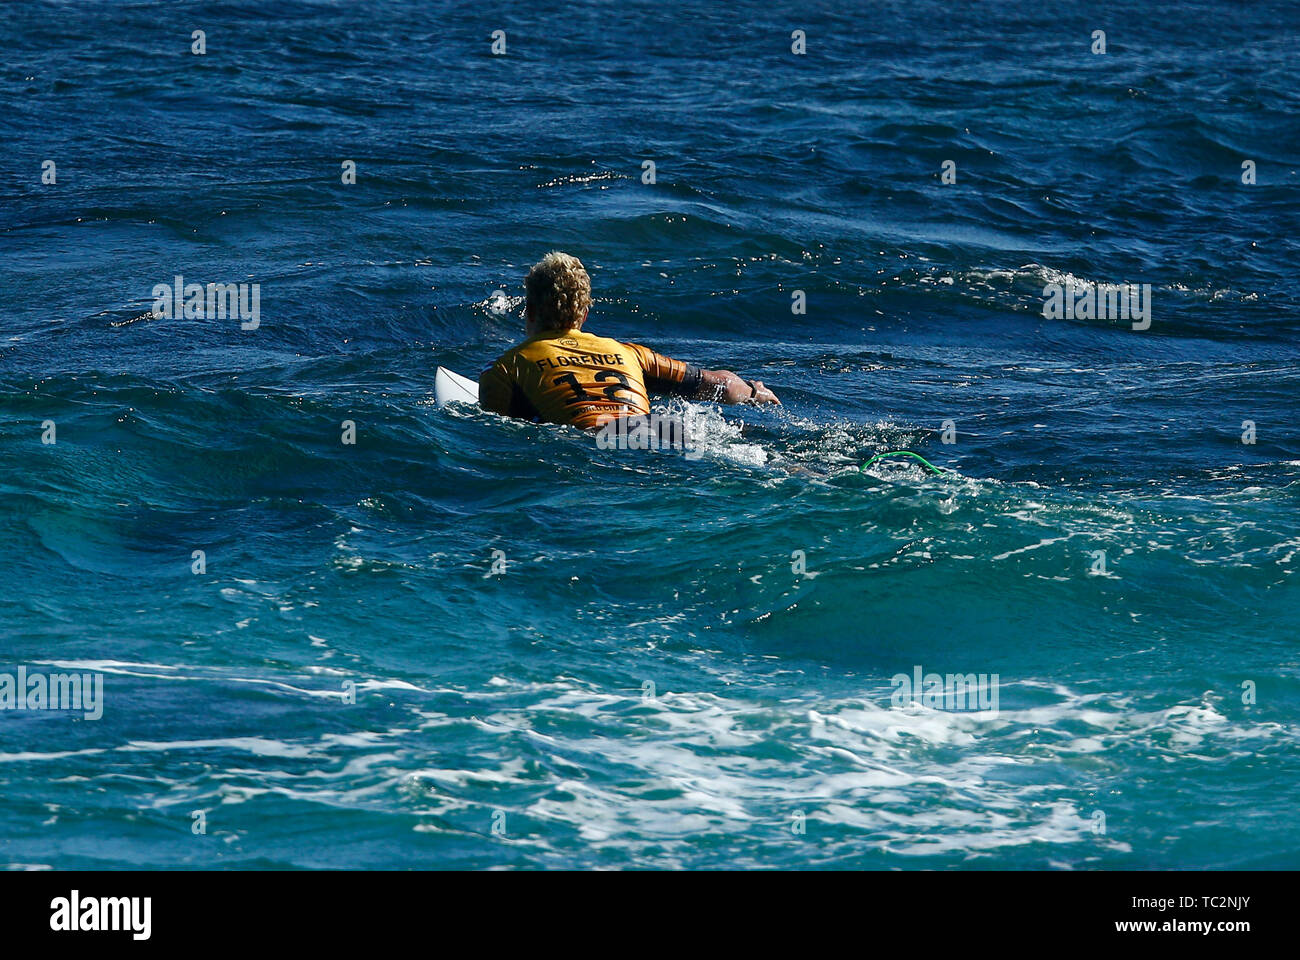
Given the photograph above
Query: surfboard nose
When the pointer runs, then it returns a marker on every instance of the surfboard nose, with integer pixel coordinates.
(450, 387)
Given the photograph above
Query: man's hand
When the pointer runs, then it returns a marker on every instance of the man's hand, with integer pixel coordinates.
(729, 388)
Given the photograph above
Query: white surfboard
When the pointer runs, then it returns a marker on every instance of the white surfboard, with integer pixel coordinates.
(449, 387)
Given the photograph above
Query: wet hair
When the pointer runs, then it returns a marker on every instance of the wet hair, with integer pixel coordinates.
(559, 291)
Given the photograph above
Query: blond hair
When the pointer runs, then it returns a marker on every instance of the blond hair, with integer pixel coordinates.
(559, 291)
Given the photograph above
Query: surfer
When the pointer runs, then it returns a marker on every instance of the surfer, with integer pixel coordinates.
(563, 374)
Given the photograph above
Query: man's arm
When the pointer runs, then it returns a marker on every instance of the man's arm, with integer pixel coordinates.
(665, 375)
(499, 393)
(723, 386)
(494, 390)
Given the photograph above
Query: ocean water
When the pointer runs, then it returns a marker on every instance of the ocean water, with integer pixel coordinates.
(466, 642)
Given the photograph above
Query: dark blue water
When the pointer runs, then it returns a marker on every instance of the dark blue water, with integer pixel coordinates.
(682, 662)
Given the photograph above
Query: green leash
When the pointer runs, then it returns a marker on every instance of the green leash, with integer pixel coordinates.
(903, 453)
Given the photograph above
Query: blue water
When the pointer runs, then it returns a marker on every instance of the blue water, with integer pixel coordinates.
(654, 678)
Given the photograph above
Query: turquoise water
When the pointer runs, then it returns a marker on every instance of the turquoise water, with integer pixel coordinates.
(562, 656)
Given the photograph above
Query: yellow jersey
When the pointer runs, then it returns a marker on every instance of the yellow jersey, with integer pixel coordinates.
(568, 376)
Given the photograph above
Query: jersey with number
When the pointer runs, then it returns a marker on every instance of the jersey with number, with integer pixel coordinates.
(579, 378)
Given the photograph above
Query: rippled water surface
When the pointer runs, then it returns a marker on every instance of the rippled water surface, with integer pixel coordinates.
(562, 656)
